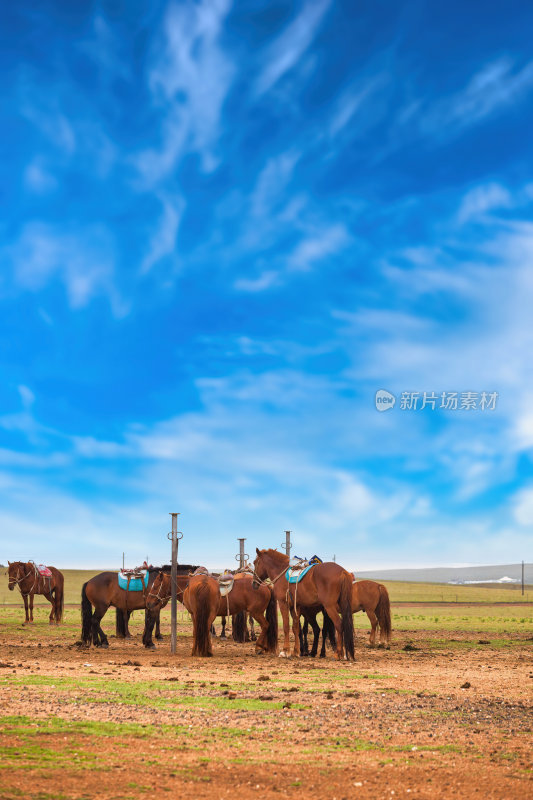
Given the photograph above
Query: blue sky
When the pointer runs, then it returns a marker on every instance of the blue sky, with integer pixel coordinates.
(224, 228)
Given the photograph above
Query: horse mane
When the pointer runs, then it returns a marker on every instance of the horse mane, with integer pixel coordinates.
(167, 569)
(271, 551)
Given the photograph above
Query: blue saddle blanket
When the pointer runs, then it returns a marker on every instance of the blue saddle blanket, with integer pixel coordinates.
(136, 584)
(297, 577)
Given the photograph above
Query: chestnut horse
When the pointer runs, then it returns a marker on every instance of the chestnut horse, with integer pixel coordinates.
(103, 591)
(26, 576)
(242, 598)
(367, 596)
(201, 598)
(326, 585)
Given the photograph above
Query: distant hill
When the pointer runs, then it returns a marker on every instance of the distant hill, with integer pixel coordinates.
(490, 574)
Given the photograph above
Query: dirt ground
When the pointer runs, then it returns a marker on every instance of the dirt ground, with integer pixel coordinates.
(436, 716)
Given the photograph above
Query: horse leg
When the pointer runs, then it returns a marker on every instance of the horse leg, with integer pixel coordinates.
(223, 631)
(27, 616)
(296, 632)
(374, 622)
(304, 645)
(324, 636)
(284, 610)
(261, 642)
(98, 636)
(334, 616)
(149, 621)
(158, 634)
(316, 636)
(50, 599)
(31, 606)
(253, 637)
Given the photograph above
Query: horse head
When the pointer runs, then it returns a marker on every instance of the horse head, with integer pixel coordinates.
(15, 574)
(159, 591)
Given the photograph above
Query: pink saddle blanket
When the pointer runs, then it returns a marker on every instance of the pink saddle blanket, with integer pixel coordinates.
(44, 571)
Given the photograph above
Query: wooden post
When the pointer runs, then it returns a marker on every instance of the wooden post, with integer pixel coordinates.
(522, 578)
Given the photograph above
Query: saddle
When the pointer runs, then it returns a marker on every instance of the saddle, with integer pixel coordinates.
(133, 580)
(43, 571)
(296, 572)
(225, 583)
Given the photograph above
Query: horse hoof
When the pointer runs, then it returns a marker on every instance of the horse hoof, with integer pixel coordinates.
(159, 638)
(104, 645)
(150, 646)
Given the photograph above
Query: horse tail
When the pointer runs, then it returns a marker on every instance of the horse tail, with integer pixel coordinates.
(59, 592)
(238, 627)
(202, 644)
(120, 623)
(272, 619)
(345, 603)
(86, 615)
(61, 605)
(383, 611)
(329, 630)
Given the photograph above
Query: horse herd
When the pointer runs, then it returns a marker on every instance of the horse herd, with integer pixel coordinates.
(326, 588)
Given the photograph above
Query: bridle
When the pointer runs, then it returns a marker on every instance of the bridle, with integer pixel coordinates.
(17, 580)
(157, 594)
(267, 581)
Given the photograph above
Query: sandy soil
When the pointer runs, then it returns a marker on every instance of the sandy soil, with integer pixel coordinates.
(446, 717)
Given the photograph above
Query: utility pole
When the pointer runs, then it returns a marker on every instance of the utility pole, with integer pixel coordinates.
(174, 535)
(522, 578)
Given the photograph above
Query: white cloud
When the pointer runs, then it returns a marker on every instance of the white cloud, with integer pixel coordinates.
(38, 178)
(287, 50)
(189, 80)
(272, 183)
(266, 280)
(163, 241)
(523, 507)
(316, 248)
(482, 199)
(26, 395)
(82, 261)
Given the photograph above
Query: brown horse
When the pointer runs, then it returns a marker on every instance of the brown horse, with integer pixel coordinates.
(26, 576)
(103, 591)
(244, 598)
(201, 598)
(367, 596)
(326, 585)
(374, 598)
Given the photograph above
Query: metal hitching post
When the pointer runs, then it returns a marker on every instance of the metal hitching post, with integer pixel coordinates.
(174, 535)
(287, 544)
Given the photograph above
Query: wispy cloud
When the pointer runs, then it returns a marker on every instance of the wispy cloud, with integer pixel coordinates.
(482, 199)
(266, 280)
(286, 51)
(497, 86)
(317, 247)
(83, 261)
(163, 241)
(189, 80)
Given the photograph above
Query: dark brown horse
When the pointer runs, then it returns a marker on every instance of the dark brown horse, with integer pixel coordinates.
(103, 591)
(27, 577)
(326, 585)
(368, 596)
